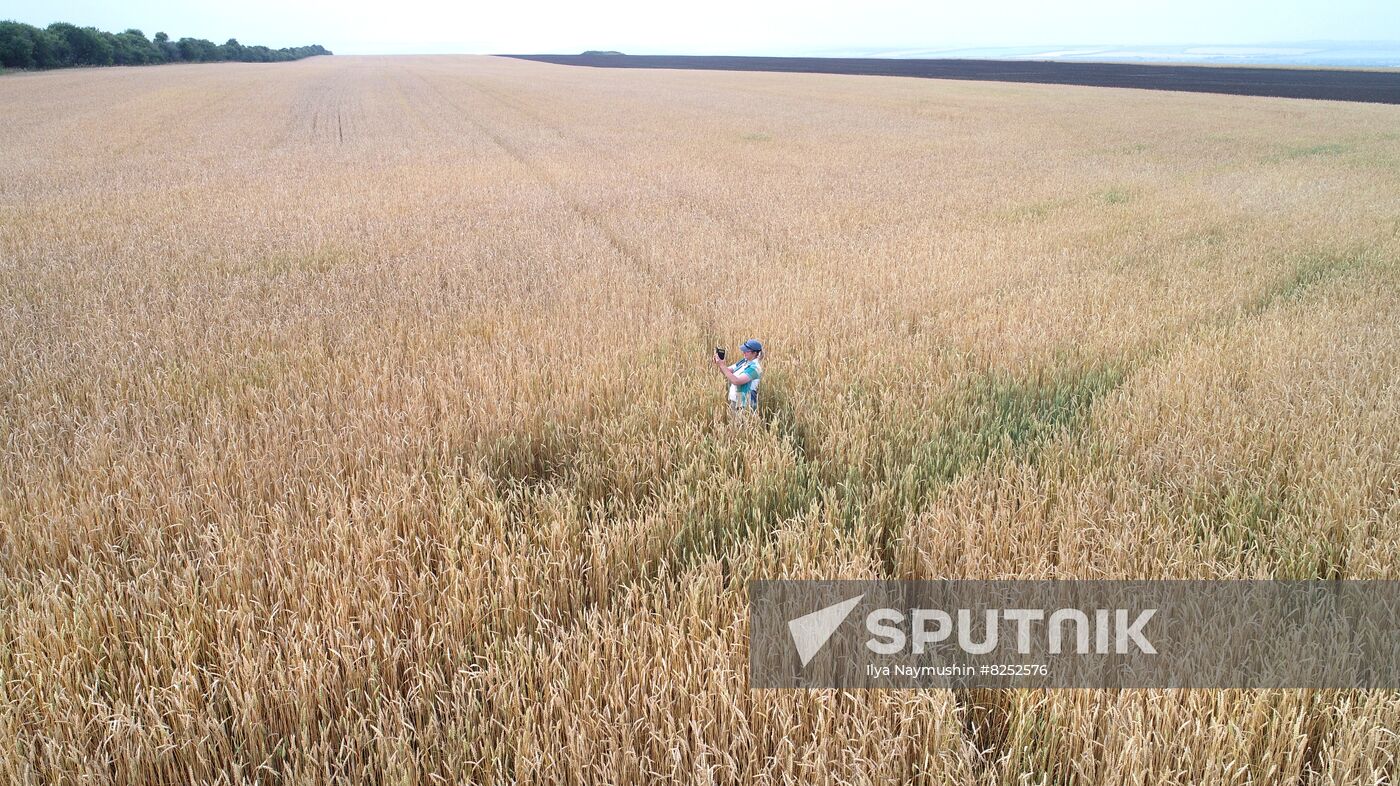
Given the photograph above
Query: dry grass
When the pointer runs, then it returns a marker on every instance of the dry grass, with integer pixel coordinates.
(355, 424)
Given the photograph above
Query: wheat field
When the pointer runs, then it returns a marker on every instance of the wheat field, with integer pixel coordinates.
(356, 424)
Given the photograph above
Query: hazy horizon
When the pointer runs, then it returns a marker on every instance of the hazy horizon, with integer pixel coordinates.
(894, 28)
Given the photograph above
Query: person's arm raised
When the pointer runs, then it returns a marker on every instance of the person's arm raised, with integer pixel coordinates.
(734, 379)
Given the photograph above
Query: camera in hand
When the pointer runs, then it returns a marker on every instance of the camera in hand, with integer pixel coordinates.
(719, 352)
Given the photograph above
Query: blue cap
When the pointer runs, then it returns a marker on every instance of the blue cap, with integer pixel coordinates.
(752, 345)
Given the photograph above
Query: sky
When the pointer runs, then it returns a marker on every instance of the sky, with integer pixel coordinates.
(753, 27)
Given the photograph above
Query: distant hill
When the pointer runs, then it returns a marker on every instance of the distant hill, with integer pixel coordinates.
(595, 52)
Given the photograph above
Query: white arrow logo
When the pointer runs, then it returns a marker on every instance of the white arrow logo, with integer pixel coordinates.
(810, 632)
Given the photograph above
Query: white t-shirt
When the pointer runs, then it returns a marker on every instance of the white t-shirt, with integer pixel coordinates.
(746, 395)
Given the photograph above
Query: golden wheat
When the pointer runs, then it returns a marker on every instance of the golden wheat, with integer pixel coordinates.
(355, 424)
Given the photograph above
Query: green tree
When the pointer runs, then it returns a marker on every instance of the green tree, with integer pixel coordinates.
(16, 45)
(133, 48)
(198, 50)
(87, 45)
(169, 50)
(231, 50)
(62, 44)
(51, 50)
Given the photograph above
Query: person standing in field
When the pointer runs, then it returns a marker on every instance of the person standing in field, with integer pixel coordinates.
(743, 376)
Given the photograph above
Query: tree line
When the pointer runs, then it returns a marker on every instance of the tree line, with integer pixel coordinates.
(61, 45)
